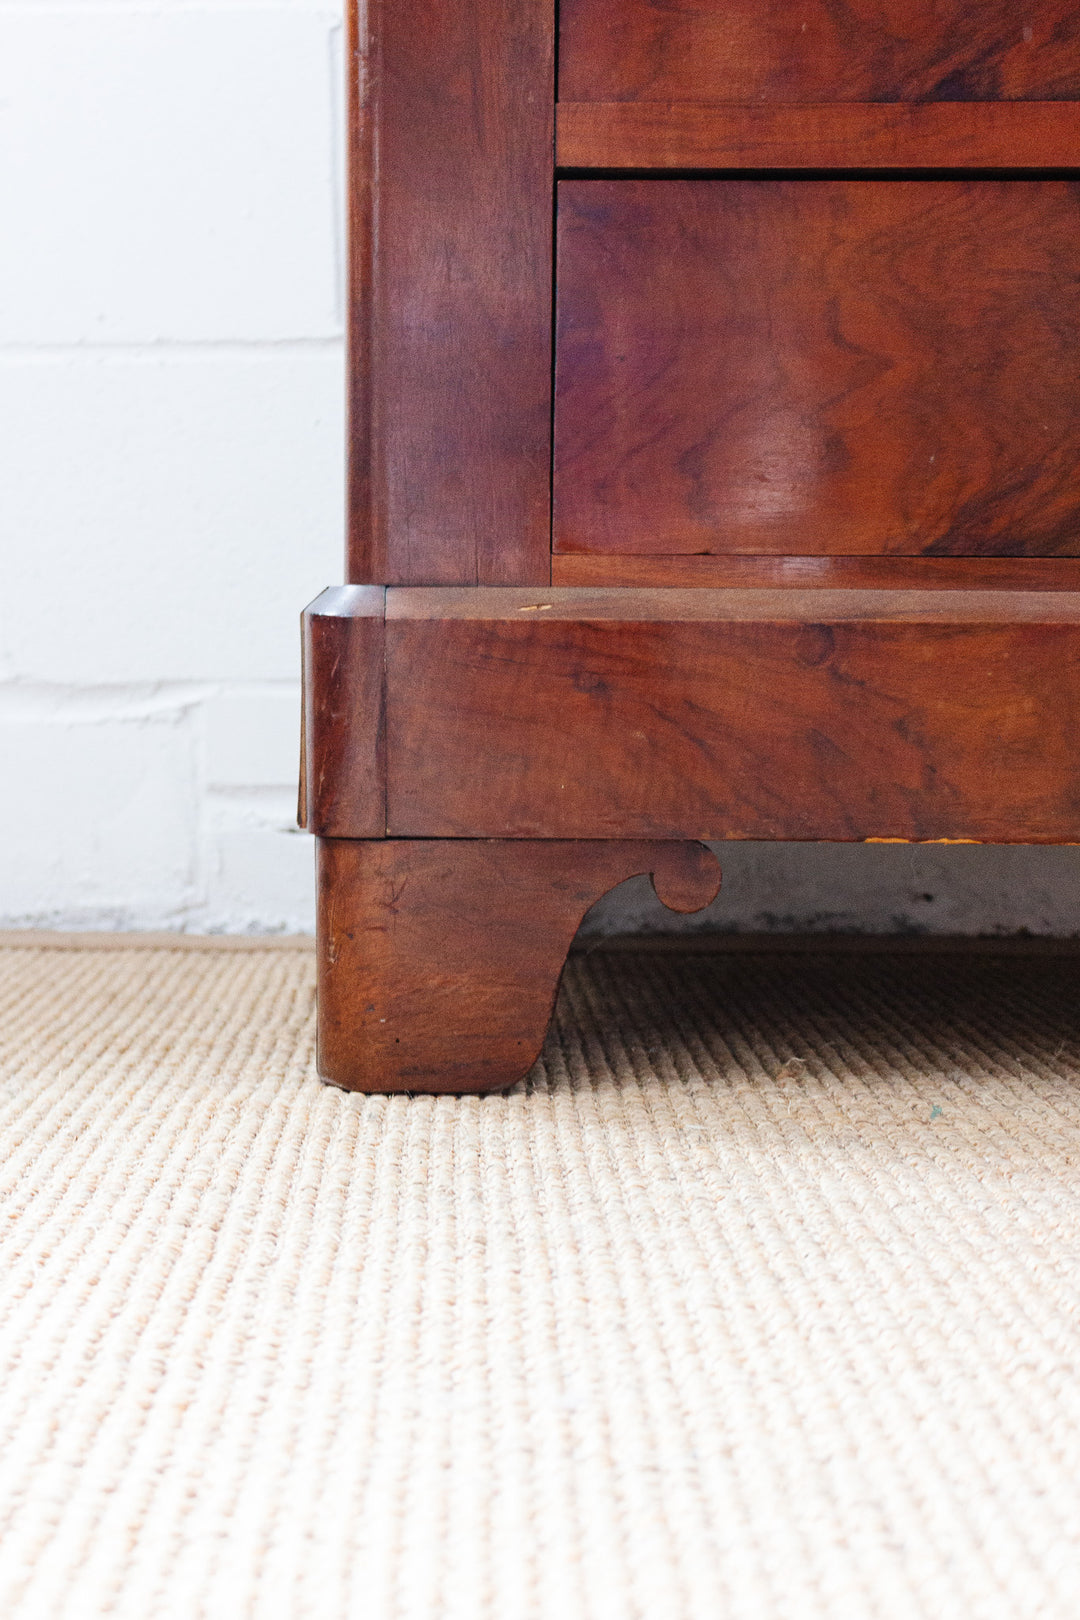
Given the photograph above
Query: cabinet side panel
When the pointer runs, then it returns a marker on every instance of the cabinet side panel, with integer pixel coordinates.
(450, 301)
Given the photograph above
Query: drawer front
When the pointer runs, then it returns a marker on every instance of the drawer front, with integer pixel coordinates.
(818, 50)
(816, 367)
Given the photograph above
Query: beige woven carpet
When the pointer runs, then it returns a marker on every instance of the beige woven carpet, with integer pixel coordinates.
(758, 1300)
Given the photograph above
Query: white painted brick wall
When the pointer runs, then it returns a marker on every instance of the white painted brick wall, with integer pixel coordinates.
(171, 389)
(171, 384)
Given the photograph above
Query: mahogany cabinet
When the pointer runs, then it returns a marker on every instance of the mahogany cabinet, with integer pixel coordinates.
(714, 434)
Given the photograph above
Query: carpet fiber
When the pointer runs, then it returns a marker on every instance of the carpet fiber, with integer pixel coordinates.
(758, 1299)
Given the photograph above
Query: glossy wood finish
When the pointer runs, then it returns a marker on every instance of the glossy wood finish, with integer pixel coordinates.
(842, 135)
(439, 960)
(734, 714)
(837, 367)
(342, 766)
(823, 573)
(858, 381)
(527, 605)
(818, 50)
(450, 298)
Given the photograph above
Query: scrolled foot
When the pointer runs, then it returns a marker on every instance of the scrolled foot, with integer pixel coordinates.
(439, 959)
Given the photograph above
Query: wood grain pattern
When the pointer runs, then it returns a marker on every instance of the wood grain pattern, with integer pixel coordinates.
(818, 50)
(450, 298)
(822, 573)
(438, 961)
(827, 383)
(724, 714)
(841, 135)
(818, 367)
(342, 763)
(633, 605)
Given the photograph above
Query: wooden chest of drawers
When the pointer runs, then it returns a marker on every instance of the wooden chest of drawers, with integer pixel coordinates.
(714, 434)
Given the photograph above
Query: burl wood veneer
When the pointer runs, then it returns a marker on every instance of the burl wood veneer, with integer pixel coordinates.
(717, 714)
(832, 366)
(818, 50)
(814, 567)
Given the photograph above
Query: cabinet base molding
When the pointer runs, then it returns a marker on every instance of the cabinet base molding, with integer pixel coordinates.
(439, 959)
(673, 713)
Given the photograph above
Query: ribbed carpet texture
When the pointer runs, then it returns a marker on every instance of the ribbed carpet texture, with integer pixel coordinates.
(759, 1298)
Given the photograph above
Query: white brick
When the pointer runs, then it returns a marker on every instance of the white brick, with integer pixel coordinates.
(98, 825)
(167, 175)
(175, 512)
(253, 737)
(260, 867)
